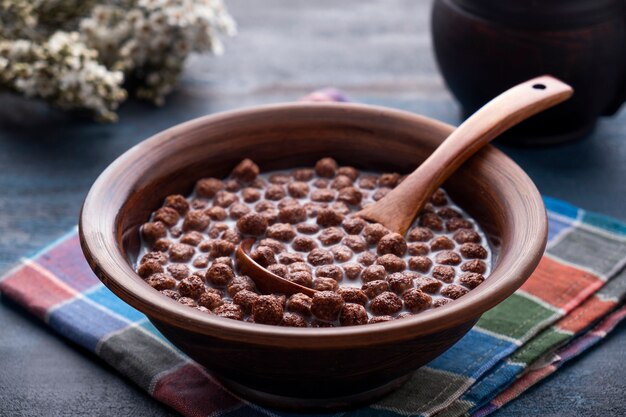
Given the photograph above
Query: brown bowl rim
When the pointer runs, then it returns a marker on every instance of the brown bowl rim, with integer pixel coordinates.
(121, 279)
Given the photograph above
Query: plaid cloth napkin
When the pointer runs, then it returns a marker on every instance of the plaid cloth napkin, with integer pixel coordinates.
(573, 299)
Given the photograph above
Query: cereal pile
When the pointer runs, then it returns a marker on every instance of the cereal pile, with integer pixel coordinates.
(305, 230)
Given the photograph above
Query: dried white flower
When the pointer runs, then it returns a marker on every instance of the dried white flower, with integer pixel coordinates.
(77, 54)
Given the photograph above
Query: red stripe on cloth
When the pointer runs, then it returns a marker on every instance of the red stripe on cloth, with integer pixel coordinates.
(522, 384)
(191, 391)
(34, 289)
(67, 262)
(560, 285)
(585, 314)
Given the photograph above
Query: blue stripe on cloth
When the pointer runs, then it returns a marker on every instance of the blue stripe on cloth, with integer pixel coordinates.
(500, 376)
(83, 323)
(605, 223)
(556, 225)
(561, 207)
(103, 296)
(475, 353)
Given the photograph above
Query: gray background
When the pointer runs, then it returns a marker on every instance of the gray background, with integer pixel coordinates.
(378, 52)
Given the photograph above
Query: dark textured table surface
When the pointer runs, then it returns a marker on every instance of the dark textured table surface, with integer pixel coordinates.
(378, 52)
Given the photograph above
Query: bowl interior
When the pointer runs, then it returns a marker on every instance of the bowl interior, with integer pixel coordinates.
(492, 188)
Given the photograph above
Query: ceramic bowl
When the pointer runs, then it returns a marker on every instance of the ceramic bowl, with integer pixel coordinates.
(310, 367)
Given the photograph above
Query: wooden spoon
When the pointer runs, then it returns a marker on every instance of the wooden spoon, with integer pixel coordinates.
(398, 208)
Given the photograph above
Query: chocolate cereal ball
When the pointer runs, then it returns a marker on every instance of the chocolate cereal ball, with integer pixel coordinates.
(161, 281)
(208, 187)
(466, 236)
(166, 215)
(221, 247)
(307, 228)
(298, 189)
(373, 232)
(293, 213)
(341, 253)
(456, 224)
(323, 195)
(192, 238)
(366, 258)
(420, 234)
(418, 248)
(341, 181)
(400, 282)
(448, 257)
(303, 174)
(392, 243)
(320, 257)
(210, 299)
(416, 300)
(178, 271)
(174, 295)
(281, 231)
(238, 210)
(263, 255)
(444, 273)
(368, 182)
(191, 287)
(471, 279)
(292, 320)
(196, 220)
(230, 311)
(326, 167)
(353, 295)
(374, 288)
(217, 213)
(326, 305)
(299, 303)
(162, 245)
(350, 195)
(325, 284)
(300, 277)
(181, 252)
(328, 217)
(454, 291)
(225, 198)
(149, 267)
(449, 213)
(250, 195)
(355, 242)
(278, 269)
(475, 265)
(288, 258)
(432, 221)
(353, 315)
(441, 243)
(353, 225)
(349, 172)
(160, 257)
(186, 301)
(252, 224)
(153, 231)
(231, 236)
(392, 263)
(246, 171)
(440, 302)
(380, 193)
(330, 236)
(386, 304)
(420, 263)
(373, 273)
(352, 270)
(329, 271)
(379, 319)
(267, 310)
(427, 284)
(388, 180)
(178, 203)
(219, 274)
(439, 198)
(473, 251)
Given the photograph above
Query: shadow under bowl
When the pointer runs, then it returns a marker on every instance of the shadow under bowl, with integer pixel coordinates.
(311, 368)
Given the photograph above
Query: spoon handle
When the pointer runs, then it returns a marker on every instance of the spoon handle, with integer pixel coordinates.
(400, 206)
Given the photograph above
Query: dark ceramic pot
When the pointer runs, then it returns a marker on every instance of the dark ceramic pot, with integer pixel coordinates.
(484, 47)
